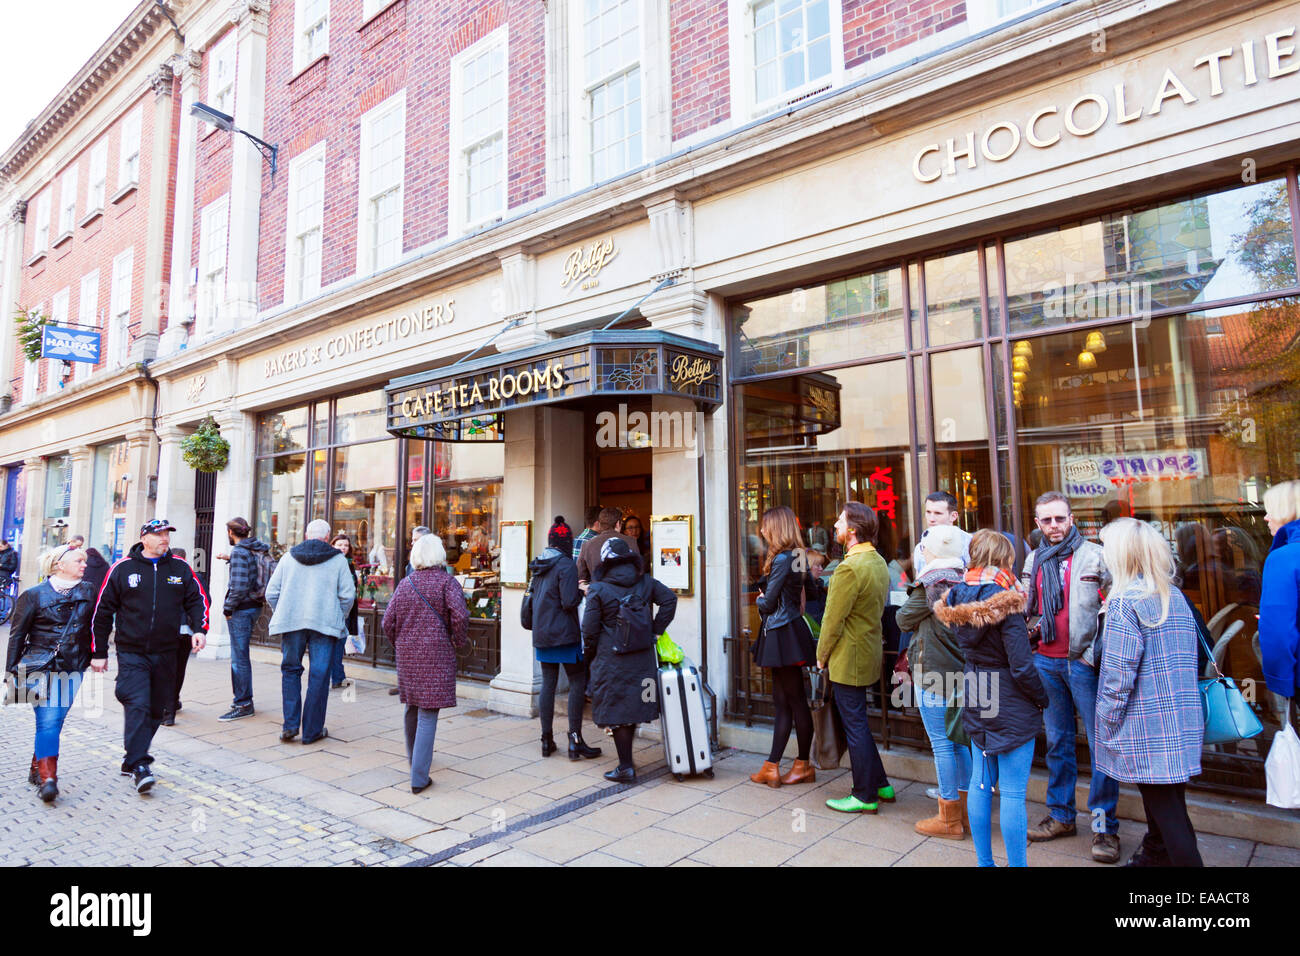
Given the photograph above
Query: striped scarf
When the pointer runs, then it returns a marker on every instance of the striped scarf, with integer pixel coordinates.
(999, 576)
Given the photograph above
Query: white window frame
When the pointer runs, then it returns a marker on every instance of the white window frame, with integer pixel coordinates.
(41, 237)
(68, 201)
(302, 57)
(744, 104)
(983, 14)
(458, 182)
(60, 307)
(97, 194)
(296, 228)
(579, 97)
(119, 309)
(221, 78)
(372, 8)
(87, 318)
(214, 249)
(128, 149)
(367, 261)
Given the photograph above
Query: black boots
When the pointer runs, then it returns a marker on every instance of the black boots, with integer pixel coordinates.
(548, 745)
(624, 774)
(578, 748)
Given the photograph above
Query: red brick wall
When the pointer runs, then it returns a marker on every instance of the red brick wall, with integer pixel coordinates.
(211, 156)
(701, 85)
(875, 27)
(124, 224)
(407, 46)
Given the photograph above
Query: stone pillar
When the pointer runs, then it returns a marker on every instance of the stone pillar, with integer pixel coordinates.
(543, 478)
(175, 478)
(30, 548)
(140, 450)
(234, 497)
(188, 66)
(10, 282)
(247, 163)
(83, 489)
(145, 344)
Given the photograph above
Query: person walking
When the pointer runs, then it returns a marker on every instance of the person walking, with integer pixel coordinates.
(1066, 578)
(619, 681)
(49, 651)
(785, 644)
(590, 531)
(309, 592)
(852, 645)
(940, 512)
(937, 667)
(147, 598)
(426, 620)
(589, 558)
(242, 607)
(1279, 607)
(8, 563)
(1150, 723)
(557, 641)
(1002, 710)
(338, 678)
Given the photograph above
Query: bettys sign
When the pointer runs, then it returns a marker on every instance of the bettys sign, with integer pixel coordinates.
(1087, 476)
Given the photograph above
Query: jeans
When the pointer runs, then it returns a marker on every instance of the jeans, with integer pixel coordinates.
(146, 688)
(868, 771)
(951, 762)
(240, 624)
(311, 716)
(1071, 686)
(1010, 772)
(421, 726)
(51, 712)
(336, 664)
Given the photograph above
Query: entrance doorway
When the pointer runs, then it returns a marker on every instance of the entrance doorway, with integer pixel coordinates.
(619, 473)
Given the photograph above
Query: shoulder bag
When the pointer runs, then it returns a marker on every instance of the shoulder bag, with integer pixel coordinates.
(1227, 715)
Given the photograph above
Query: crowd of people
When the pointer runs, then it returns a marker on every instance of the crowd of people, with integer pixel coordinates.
(996, 656)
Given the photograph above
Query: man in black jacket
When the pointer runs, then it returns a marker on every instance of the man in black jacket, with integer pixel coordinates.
(242, 607)
(8, 563)
(149, 595)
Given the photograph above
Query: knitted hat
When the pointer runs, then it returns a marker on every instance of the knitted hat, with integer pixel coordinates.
(560, 536)
(943, 541)
(615, 551)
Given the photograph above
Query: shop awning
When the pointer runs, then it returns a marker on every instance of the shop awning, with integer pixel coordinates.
(466, 402)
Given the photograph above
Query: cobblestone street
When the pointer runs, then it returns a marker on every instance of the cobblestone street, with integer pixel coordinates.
(234, 795)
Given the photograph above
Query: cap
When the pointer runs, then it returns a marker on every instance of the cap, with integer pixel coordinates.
(156, 526)
(614, 549)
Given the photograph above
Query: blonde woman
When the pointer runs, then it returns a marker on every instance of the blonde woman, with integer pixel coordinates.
(785, 643)
(49, 650)
(1279, 614)
(1149, 720)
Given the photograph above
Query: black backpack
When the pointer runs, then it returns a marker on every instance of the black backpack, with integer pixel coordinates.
(265, 567)
(632, 630)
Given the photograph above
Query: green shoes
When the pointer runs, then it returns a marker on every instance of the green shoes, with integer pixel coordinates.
(886, 794)
(852, 804)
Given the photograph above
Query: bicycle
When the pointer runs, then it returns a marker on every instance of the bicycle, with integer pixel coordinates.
(8, 596)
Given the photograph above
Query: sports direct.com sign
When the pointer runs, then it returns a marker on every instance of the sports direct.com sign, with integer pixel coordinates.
(1092, 476)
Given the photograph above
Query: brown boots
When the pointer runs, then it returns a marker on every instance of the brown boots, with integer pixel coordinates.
(801, 772)
(770, 774)
(48, 770)
(34, 775)
(948, 824)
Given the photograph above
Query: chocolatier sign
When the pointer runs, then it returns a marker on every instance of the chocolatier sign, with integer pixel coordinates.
(465, 403)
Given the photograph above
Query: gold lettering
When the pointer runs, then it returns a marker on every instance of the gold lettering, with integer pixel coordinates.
(687, 371)
(526, 381)
(557, 375)
(476, 396)
(437, 402)
(587, 262)
(451, 311)
(512, 382)
(494, 390)
(464, 395)
(406, 408)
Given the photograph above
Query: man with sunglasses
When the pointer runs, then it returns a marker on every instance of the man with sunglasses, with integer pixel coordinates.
(1067, 579)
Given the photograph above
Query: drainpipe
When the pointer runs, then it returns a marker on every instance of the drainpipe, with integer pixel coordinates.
(153, 422)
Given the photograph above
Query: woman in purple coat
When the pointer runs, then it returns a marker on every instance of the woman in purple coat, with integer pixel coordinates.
(1149, 719)
(427, 619)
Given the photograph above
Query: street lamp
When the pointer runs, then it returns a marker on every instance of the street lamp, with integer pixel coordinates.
(226, 122)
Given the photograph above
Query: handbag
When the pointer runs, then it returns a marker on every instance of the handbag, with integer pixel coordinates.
(526, 606)
(1227, 715)
(1282, 768)
(445, 629)
(829, 740)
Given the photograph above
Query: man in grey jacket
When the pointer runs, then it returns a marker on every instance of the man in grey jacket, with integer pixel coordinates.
(310, 594)
(1066, 578)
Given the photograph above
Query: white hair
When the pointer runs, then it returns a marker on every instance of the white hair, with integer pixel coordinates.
(318, 529)
(50, 560)
(1140, 562)
(428, 552)
(1282, 502)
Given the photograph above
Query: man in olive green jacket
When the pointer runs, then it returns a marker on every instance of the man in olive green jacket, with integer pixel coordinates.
(851, 644)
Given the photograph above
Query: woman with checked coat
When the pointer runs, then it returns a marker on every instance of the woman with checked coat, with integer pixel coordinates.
(1149, 719)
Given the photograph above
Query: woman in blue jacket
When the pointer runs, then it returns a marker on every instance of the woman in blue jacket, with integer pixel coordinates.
(1279, 614)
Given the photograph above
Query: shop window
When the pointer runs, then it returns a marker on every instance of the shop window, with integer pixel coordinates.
(952, 298)
(110, 487)
(961, 434)
(608, 60)
(825, 324)
(361, 417)
(58, 501)
(1208, 248)
(479, 97)
(282, 432)
(281, 496)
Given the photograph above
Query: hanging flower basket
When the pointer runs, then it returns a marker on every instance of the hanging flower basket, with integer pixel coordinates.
(29, 323)
(206, 450)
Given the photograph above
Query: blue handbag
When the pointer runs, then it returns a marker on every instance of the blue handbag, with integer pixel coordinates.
(1227, 715)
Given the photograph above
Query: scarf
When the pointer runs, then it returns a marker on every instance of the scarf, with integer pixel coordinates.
(1048, 559)
(999, 576)
(61, 584)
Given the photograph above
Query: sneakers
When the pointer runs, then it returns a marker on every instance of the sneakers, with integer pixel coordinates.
(1105, 847)
(143, 778)
(1049, 829)
(852, 804)
(237, 713)
(127, 769)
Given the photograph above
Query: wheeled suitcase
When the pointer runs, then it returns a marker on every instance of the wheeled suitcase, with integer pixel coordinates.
(682, 721)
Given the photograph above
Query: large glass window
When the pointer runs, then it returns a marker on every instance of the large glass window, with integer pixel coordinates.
(58, 501)
(111, 483)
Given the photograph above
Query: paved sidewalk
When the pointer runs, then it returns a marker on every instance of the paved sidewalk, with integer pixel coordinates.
(234, 795)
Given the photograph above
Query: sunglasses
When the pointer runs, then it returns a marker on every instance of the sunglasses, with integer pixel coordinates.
(1054, 519)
